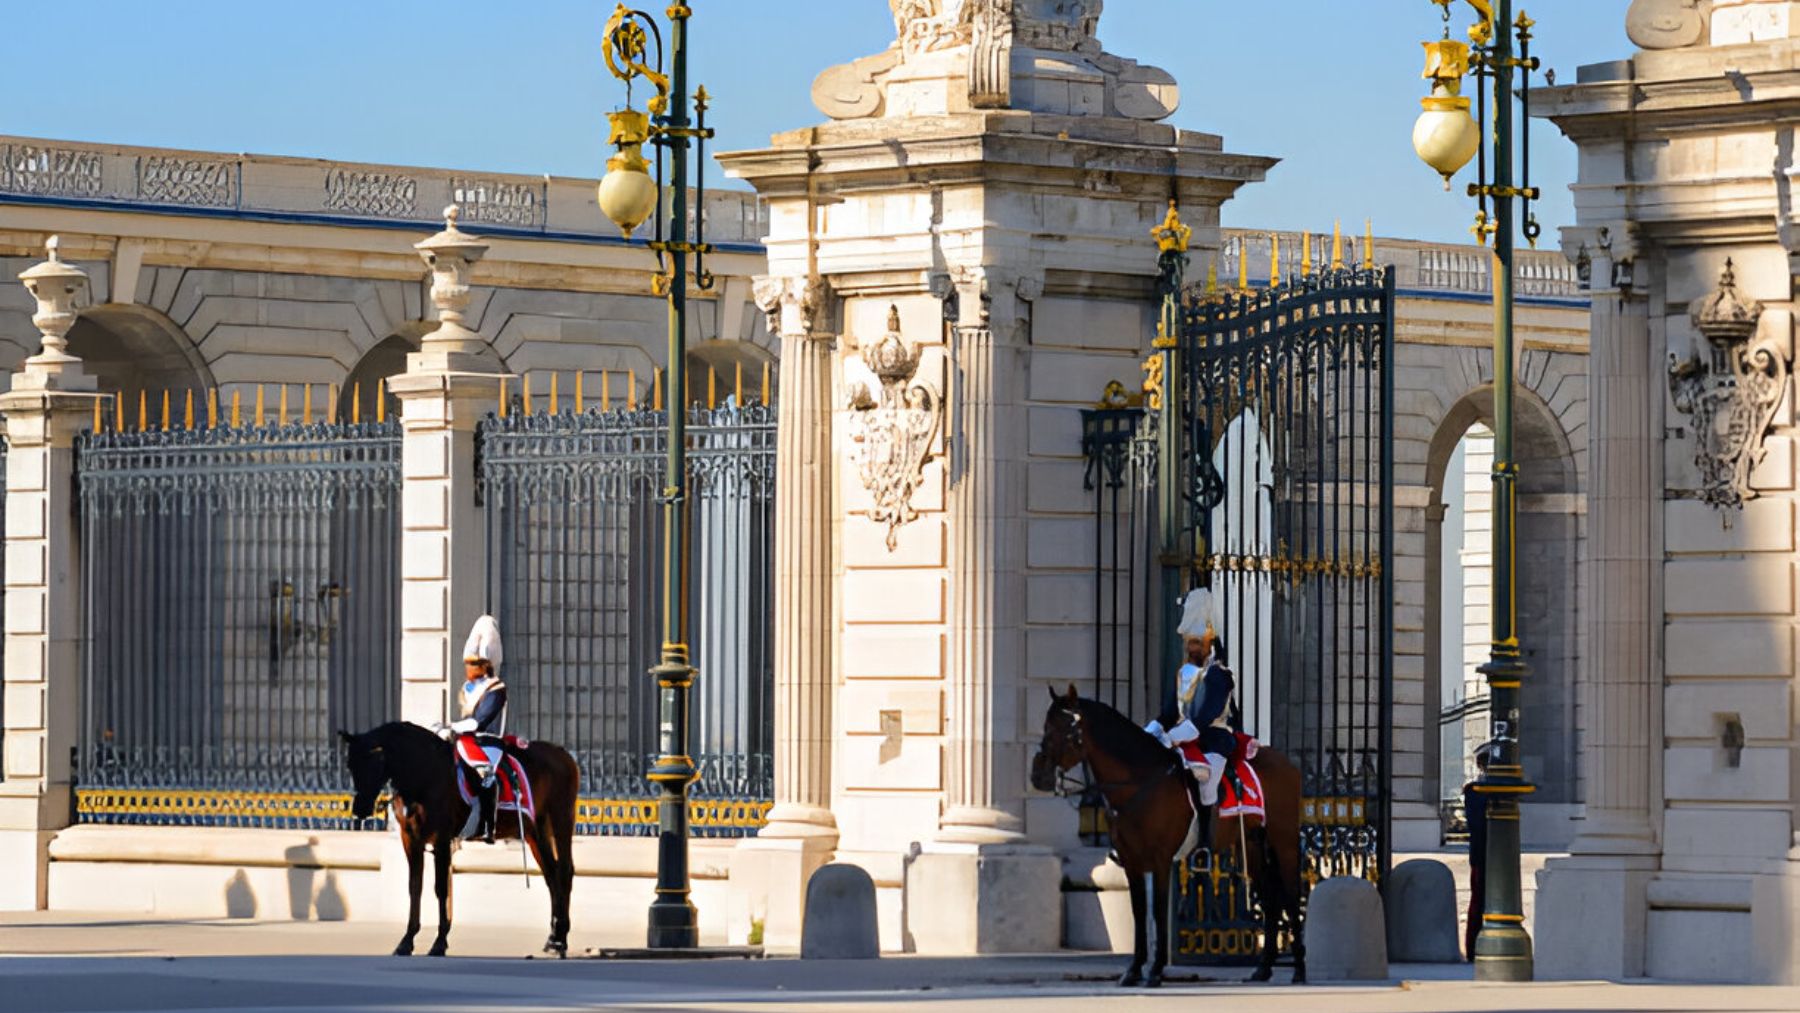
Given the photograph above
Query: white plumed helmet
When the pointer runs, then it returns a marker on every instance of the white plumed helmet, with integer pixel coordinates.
(1198, 614)
(484, 642)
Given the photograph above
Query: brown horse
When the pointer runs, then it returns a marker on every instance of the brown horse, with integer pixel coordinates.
(1151, 820)
(430, 810)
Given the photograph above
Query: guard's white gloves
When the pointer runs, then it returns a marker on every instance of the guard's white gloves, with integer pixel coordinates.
(463, 727)
(443, 731)
(1155, 728)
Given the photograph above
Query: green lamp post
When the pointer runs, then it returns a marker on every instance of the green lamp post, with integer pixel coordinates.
(1447, 137)
(629, 195)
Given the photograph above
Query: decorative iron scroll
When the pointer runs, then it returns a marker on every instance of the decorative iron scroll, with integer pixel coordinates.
(1733, 398)
(573, 504)
(187, 181)
(894, 434)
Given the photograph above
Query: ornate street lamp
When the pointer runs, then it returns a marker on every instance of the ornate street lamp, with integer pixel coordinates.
(1443, 138)
(629, 195)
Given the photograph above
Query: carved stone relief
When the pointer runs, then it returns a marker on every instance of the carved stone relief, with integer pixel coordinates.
(384, 194)
(488, 200)
(1664, 24)
(894, 431)
(34, 169)
(1733, 397)
(795, 306)
(190, 181)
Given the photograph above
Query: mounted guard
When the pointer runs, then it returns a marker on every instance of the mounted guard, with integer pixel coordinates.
(478, 733)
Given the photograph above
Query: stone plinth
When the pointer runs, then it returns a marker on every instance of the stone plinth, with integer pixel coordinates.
(963, 899)
(840, 916)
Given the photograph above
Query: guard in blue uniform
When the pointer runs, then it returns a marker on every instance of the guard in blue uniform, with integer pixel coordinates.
(1198, 717)
(483, 699)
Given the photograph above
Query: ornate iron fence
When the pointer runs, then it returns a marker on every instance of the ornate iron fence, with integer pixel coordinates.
(573, 505)
(242, 598)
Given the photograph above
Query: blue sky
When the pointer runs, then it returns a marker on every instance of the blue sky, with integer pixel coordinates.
(1330, 86)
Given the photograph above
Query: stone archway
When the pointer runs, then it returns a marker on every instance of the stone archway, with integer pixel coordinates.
(383, 362)
(134, 348)
(1547, 553)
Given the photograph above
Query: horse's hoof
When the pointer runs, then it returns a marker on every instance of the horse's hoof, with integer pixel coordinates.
(404, 949)
(1260, 975)
(1154, 981)
(1131, 979)
(1299, 977)
(438, 950)
(556, 946)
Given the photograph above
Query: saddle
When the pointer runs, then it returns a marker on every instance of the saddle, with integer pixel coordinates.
(1240, 790)
(513, 786)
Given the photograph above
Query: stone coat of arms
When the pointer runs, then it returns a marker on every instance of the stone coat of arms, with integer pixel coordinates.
(894, 431)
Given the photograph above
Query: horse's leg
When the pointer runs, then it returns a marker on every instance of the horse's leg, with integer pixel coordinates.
(414, 843)
(550, 864)
(440, 852)
(1266, 873)
(1159, 899)
(1134, 975)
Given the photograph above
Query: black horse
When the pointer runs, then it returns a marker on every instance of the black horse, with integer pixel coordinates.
(429, 810)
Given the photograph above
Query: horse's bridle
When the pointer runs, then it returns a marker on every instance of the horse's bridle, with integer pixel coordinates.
(1075, 738)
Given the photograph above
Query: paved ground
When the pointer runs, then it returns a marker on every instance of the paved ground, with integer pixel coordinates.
(53, 963)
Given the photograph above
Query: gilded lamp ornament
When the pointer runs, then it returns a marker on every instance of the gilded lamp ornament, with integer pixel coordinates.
(1733, 396)
(894, 434)
(628, 192)
(1445, 135)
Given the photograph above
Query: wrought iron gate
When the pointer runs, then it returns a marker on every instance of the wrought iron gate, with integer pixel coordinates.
(242, 597)
(1282, 407)
(573, 546)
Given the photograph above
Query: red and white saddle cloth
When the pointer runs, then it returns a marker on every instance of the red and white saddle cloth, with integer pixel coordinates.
(511, 772)
(1231, 803)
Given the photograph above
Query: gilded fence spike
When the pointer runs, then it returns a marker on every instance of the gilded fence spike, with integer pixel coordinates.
(261, 416)
(331, 403)
(1305, 254)
(553, 392)
(237, 416)
(1212, 277)
(381, 400)
(740, 385)
(1369, 244)
(143, 410)
(356, 403)
(712, 389)
(187, 412)
(1274, 260)
(1337, 245)
(525, 391)
(1243, 265)
(212, 408)
(503, 380)
(281, 412)
(118, 407)
(765, 391)
(631, 391)
(656, 391)
(578, 375)
(306, 406)
(165, 409)
(97, 418)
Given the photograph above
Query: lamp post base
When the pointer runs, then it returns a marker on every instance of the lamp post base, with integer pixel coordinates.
(674, 924)
(1503, 955)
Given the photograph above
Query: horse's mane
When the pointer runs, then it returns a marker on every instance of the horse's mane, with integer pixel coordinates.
(1120, 736)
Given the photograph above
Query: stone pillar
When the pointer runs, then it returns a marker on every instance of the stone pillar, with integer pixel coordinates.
(1614, 857)
(444, 392)
(51, 402)
(769, 872)
(978, 885)
(980, 806)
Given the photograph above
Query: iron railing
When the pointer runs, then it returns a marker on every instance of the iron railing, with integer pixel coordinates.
(573, 513)
(241, 603)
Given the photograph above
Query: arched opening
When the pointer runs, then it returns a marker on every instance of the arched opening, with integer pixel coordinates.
(133, 348)
(1459, 589)
(385, 361)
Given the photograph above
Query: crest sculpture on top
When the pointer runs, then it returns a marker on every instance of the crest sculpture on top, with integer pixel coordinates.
(954, 56)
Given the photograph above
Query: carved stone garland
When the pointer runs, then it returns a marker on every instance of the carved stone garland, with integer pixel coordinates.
(1734, 397)
(894, 434)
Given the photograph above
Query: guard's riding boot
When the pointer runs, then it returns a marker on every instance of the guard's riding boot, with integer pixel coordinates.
(489, 797)
(1203, 815)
